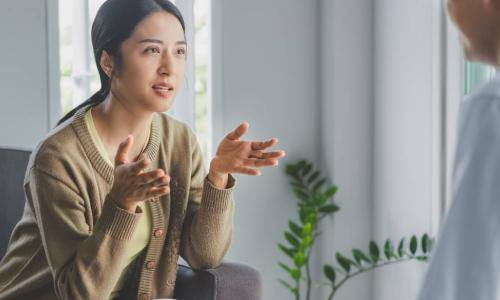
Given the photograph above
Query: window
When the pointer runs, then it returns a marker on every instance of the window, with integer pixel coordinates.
(80, 79)
(476, 74)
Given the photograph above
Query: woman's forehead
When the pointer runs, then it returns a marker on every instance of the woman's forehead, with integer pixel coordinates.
(160, 26)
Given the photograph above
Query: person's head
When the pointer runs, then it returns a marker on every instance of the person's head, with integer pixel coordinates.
(479, 23)
(140, 53)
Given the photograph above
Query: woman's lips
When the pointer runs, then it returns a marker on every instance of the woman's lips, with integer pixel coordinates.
(163, 90)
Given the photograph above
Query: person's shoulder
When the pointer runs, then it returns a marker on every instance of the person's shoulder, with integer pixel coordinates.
(56, 149)
(487, 95)
(479, 120)
(482, 106)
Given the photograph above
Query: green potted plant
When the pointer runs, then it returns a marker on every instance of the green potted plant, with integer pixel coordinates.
(315, 202)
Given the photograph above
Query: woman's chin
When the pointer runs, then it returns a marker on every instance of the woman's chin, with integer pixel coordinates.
(162, 105)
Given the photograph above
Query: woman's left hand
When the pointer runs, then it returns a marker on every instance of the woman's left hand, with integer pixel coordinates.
(238, 156)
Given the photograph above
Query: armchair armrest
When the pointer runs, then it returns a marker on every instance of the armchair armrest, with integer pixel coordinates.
(229, 281)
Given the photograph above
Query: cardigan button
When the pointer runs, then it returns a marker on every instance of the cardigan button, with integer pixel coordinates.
(150, 265)
(144, 296)
(158, 233)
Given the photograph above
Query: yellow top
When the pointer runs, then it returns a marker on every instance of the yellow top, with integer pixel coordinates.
(143, 230)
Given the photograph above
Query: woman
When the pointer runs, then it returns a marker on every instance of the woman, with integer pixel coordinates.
(117, 191)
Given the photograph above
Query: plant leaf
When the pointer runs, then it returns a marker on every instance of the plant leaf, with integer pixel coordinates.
(303, 215)
(320, 198)
(305, 242)
(311, 218)
(301, 194)
(374, 252)
(413, 245)
(343, 262)
(331, 191)
(329, 209)
(295, 274)
(401, 247)
(300, 164)
(388, 249)
(299, 259)
(425, 243)
(359, 256)
(297, 184)
(285, 267)
(307, 168)
(289, 252)
(306, 231)
(329, 273)
(318, 184)
(313, 177)
(292, 172)
(291, 239)
(291, 289)
(296, 229)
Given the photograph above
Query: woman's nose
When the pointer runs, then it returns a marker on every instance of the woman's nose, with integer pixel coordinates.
(167, 66)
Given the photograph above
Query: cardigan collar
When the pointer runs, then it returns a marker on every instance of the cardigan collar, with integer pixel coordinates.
(97, 161)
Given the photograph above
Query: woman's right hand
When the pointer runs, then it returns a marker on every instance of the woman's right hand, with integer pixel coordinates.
(131, 185)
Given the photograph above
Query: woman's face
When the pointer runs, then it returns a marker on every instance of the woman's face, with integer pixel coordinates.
(153, 64)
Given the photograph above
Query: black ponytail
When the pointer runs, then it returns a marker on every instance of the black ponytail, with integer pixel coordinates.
(114, 23)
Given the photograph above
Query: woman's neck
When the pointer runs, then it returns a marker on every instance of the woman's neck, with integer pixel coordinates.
(114, 121)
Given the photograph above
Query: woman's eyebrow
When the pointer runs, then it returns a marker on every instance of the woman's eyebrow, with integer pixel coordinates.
(156, 41)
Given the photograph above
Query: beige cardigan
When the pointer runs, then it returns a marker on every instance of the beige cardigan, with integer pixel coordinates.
(71, 239)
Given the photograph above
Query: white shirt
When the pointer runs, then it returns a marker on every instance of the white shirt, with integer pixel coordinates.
(465, 263)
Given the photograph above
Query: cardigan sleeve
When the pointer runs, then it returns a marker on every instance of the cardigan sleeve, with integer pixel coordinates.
(84, 264)
(208, 225)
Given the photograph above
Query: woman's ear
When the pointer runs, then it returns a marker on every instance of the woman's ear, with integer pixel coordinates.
(106, 63)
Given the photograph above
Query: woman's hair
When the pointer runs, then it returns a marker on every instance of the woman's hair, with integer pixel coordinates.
(114, 23)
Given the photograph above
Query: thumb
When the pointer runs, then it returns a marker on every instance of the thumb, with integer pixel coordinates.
(122, 152)
(238, 132)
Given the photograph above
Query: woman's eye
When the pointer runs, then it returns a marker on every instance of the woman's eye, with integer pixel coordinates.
(153, 50)
(181, 51)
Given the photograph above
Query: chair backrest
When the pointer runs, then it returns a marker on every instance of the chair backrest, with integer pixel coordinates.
(13, 165)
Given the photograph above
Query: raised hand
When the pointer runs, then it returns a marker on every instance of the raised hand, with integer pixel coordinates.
(246, 157)
(131, 185)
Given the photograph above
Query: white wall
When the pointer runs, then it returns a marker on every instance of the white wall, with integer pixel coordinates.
(25, 62)
(346, 130)
(270, 79)
(407, 128)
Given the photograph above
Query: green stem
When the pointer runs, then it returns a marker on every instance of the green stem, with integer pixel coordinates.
(297, 291)
(348, 276)
(308, 272)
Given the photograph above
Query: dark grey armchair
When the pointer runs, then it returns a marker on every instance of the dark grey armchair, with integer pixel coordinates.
(229, 281)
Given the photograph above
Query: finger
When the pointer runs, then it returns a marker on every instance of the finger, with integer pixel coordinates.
(261, 154)
(247, 171)
(138, 166)
(257, 163)
(273, 154)
(123, 148)
(159, 181)
(147, 178)
(156, 192)
(238, 132)
(261, 145)
(256, 154)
